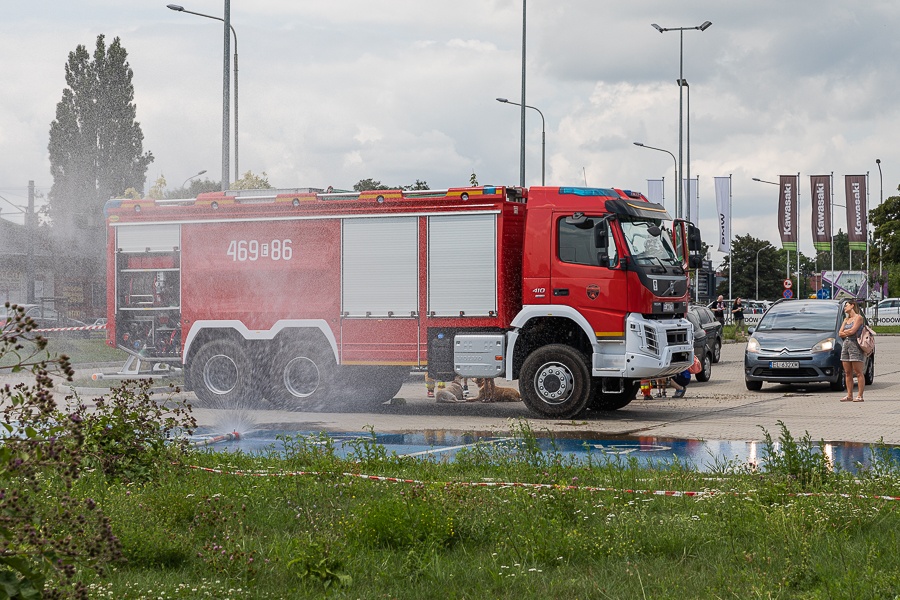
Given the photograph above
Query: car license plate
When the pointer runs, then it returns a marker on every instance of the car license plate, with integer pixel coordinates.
(784, 364)
(668, 307)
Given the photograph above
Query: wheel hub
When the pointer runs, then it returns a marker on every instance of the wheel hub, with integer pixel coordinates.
(220, 374)
(301, 377)
(554, 383)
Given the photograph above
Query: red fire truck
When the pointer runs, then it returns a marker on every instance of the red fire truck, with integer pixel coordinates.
(303, 298)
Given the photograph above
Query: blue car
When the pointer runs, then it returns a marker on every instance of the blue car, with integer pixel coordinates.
(797, 342)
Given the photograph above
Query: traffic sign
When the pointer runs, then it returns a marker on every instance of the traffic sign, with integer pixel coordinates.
(787, 284)
(823, 294)
(788, 294)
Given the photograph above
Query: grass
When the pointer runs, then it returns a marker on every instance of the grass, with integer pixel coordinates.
(584, 532)
(80, 350)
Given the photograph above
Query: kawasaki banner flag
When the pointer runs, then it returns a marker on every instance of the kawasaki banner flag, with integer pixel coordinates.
(857, 225)
(723, 208)
(787, 211)
(821, 211)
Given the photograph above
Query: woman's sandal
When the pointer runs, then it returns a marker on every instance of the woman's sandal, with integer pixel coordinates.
(846, 399)
(859, 399)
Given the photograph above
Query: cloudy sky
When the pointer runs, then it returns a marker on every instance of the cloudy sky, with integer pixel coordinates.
(334, 91)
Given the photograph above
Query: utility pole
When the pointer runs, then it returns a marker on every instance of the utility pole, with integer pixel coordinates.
(30, 234)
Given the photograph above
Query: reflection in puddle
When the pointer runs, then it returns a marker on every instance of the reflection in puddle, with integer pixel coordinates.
(701, 455)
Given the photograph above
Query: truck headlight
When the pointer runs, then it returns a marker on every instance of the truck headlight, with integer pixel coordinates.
(753, 345)
(824, 346)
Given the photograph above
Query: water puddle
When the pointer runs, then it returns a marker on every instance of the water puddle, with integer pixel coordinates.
(701, 455)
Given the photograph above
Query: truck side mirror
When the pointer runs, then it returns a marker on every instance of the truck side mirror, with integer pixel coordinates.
(601, 237)
(695, 241)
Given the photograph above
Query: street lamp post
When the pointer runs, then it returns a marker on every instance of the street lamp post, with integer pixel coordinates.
(786, 252)
(193, 177)
(757, 271)
(543, 136)
(687, 173)
(673, 160)
(880, 250)
(702, 27)
(237, 176)
(523, 106)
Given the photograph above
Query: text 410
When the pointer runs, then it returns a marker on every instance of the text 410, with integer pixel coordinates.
(242, 250)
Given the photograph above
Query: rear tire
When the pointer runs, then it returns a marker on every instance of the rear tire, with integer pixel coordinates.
(555, 382)
(302, 375)
(366, 387)
(717, 351)
(222, 376)
(615, 400)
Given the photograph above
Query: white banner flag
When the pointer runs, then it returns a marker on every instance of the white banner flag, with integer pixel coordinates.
(655, 191)
(723, 208)
(693, 197)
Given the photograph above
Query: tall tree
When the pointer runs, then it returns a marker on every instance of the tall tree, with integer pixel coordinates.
(96, 145)
(886, 220)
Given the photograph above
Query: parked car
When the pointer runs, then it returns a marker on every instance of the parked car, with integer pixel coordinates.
(703, 346)
(44, 318)
(712, 327)
(888, 311)
(797, 341)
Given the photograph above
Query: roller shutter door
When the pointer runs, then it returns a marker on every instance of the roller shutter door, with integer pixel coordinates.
(462, 265)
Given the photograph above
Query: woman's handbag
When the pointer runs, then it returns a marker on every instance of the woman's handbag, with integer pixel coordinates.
(866, 340)
(696, 367)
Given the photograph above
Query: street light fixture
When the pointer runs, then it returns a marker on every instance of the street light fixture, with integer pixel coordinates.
(702, 27)
(178, 8)
(193, 177)
(543, 135)
(673, 160)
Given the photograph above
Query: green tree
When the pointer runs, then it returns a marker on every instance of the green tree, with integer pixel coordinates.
(96, 145)
(195, 188)
(364, 185)
(251, 181)
(418, 185)
(473, 179)
(886, 237)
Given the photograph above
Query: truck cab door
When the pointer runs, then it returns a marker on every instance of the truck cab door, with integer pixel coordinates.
(587, 272)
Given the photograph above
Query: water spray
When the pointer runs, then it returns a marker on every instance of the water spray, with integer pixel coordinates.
(225, 437)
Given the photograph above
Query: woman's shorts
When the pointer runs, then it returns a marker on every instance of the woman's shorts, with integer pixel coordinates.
(851, 352)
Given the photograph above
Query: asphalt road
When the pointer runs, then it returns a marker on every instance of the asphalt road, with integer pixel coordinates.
(721, 409)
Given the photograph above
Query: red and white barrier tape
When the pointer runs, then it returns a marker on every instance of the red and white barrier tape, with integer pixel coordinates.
(553, 486)
(83, 328)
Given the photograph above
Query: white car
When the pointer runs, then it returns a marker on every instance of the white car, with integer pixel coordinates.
(888, 311)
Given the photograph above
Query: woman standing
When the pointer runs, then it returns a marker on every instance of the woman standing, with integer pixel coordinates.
(852, 357)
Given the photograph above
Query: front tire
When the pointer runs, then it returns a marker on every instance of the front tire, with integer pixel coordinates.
(222, 376)
(555, 382)
(870, 370)
(841, 384)
(706, 372)
(302, 375)
(753, 386)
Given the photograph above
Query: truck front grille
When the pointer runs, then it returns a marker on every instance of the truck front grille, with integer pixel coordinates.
(652, 342)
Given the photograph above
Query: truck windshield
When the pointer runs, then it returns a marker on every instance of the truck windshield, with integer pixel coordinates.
(646, 248)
